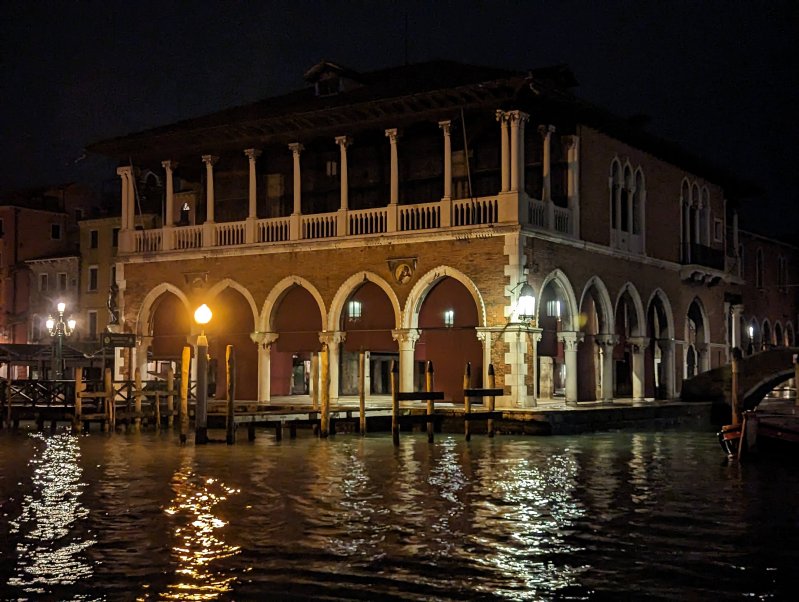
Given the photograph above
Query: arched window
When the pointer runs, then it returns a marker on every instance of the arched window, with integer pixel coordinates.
(615, 191)
(639, 195)
(782, 275)
(759, 268)
(704, 218)
(625, 200)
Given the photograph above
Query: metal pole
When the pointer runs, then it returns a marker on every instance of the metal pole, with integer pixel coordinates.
(201, 412)
(59, 352)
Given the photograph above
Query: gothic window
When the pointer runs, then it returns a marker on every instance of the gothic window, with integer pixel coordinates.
(615, 191)
(782, 273)
(638, 202)
(759, 269)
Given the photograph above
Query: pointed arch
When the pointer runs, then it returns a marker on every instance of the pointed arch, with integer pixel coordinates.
(603, 297)
(143, 326)
(351, 284)
(276, 294)
(413, 304)
(697, 302)
(217, 288)
(559, 278)
(635, 297)
(659, 295)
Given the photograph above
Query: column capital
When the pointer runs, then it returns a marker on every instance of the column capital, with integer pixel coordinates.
(266, 339)
(169, 165)
(606, 340)
(518, 117)
(445, 125)
(638, 343)
(570, 141)
(332, 337)
(392, 134)
(343, 141)
(406, 335)
(252, 153)
(502, 116)
(125, 170)
(210, 160)
(546, 130)
(737, 309)
(665, 345)
(571, 339)
(296, 148)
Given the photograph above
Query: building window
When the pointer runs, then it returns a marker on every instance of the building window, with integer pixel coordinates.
(782, 274)
(449, 318)
(93, 270)
(55, 231)
(78, 214)
(718, 230)
(627, 206)
(36, 328)
(553, 309)
(62, 281)
(92, 324)
(43, 283)
(113, 279)
(2, 228)
(354, 311)
(94, 239)
(331, 168)
(759, 268)
(115, 237)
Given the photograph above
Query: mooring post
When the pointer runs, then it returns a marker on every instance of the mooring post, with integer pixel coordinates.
(324, 422)
(158, 410)
(230, 375)
(137, 401)
(796, 379)
(492, 382)
(467, 401)
(736, 410)
(201, 410)
(395, 402)
(170, 397)
(80, 386)
(110, 406)
(185, 372)
(431, 404)
(314, 381)
(362, 392)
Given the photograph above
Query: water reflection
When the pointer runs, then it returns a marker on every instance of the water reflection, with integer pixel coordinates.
(51, 546)
(198, 544)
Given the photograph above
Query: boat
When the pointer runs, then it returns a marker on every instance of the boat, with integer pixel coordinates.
(762, 432)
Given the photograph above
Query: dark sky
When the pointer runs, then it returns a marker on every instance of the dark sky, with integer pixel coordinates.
(721, 78)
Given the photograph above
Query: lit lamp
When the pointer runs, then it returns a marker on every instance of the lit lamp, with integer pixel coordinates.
(59, 329)
(751, 330)
(202, 316)
(525, 308)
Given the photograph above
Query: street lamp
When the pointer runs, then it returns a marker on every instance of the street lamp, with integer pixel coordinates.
(525, 308)
(59, 329)
(202, 316)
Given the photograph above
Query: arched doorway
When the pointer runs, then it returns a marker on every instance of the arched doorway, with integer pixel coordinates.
(595, 378)
(627, 327)
(554, 317)
(766, 335)
(696, 338)
(789, 335)
(170, 325)
(779, 340)
(232, 324)
(368, 319)
(447, 320)
(297, 320)
(658, 370)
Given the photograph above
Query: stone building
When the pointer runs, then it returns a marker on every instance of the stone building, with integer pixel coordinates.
(400, 212)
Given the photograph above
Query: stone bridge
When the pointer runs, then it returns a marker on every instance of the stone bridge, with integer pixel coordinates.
(758, 374)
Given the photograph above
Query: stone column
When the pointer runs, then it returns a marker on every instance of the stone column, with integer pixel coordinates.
(546, 163)
(737, 312)
(392, 136)
(250, 233)
(572, 144)
(264, 340)
(294, 224)
(128, 201)
(638, 349)
(333, 340)
(209, 161)
(446, 128)
(522, 118)
(485, 338)
(667, 367)
(169, 217)
(606, 343)
(344, 203)
(570, 341)
(502, 118)
(406, 339)
(514, 151)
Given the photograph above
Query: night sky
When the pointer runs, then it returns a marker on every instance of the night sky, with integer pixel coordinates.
(719, 78)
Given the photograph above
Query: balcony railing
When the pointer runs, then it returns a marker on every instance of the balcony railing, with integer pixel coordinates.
(706, 257)
(444, 214)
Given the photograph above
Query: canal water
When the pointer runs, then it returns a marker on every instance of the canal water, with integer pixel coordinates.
(655, 515)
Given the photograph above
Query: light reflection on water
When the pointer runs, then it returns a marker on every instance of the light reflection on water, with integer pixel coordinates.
(48, 553)
(656, 515)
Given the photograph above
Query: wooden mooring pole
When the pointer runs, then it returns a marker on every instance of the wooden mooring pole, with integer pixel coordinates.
(734, 401)
(395, 402)
(362, 392)
(110, 403)
(170, 397)
(492, 382)
(80, 387)
(230, 374)
(185, 372)
(324, 422)
(431, 404)
(137, 401)
(467, 401)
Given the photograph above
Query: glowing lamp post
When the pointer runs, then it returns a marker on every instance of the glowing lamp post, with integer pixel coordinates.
(202, 316)
(525, 308)
(60, 329)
